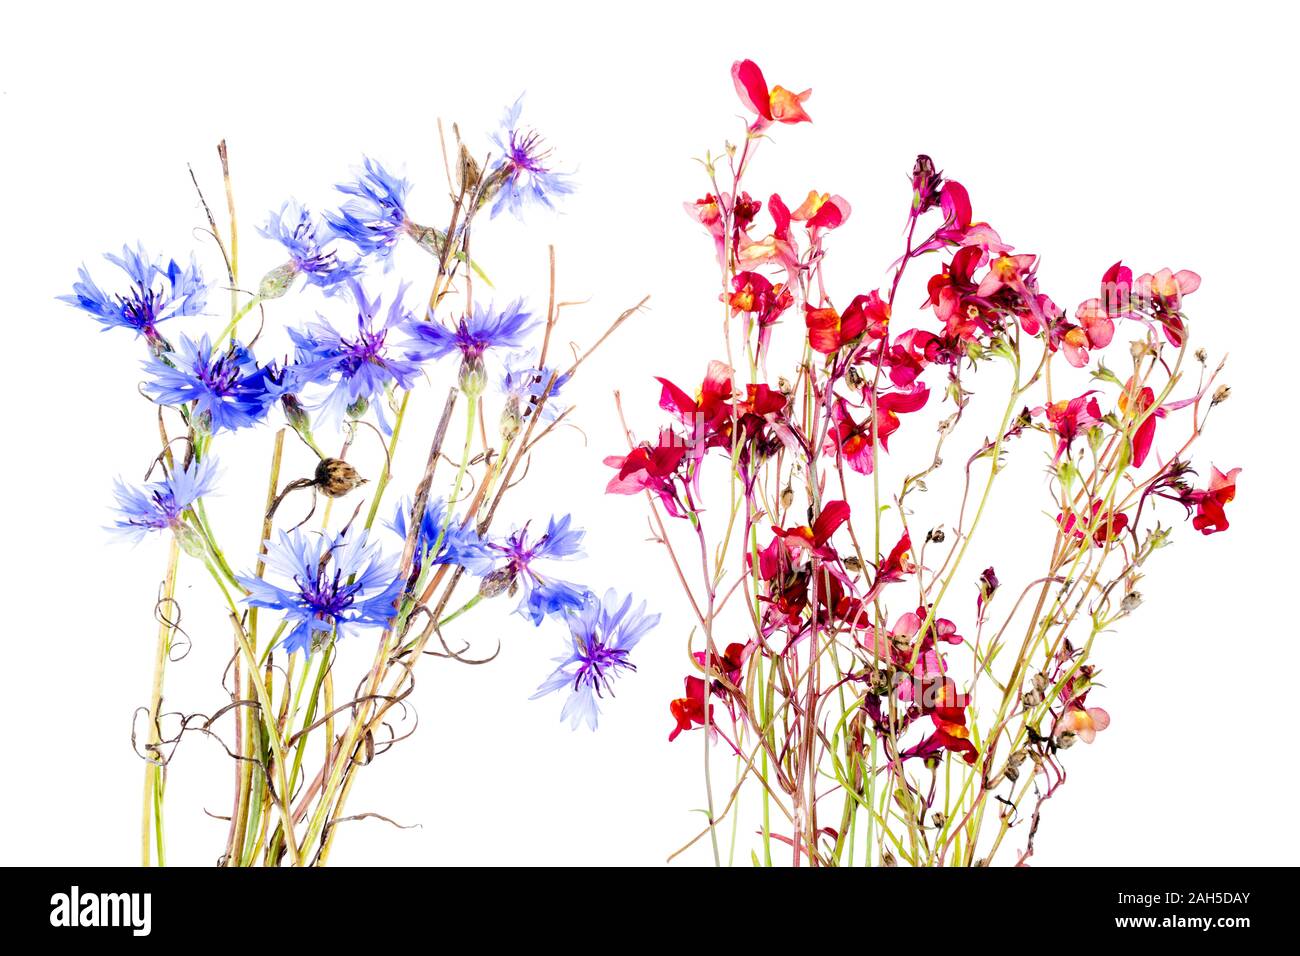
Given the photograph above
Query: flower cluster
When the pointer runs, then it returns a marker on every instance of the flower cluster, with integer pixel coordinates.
(343, 368)
(845, 706)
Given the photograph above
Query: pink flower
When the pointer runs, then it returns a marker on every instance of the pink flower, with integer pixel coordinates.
(1084, 722)
(1162, 293)
(777, 105)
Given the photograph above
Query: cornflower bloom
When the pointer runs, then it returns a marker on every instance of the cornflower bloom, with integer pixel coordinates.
(483, 329)
(156, 293)
(603, 633)
(295, 229)
(375, 218)
(228, 389)
(521, 175)
(355, 370)
(542, 594)
(339, 584)
(161, 504)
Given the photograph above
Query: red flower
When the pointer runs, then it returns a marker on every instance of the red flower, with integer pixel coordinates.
(1109, 527)
(1070, 419)
(829, 331)
(1210, 502)
(650, 468)
(822, 211)
(1137, 406)
(777, 105)
(958, 229)
(688, 711)
(706, 414)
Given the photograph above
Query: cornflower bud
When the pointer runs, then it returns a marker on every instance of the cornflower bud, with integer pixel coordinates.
(473, 376)
(500, 581)
(511, 419)
(335, 477)
(276, 282)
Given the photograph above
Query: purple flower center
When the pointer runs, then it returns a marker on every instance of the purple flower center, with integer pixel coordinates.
(140, 310)
(328, 595)
(598, 664)
(526, 152)
(366, 348)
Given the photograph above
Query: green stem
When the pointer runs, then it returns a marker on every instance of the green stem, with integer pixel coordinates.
(151, 812)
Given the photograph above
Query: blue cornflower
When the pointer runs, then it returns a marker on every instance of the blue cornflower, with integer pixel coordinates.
(521, 168)
(339, 584)
(229, 390)
(157, 293)
(482, 330)
(294, 228)
(456, 544)
(161, 504)
(523, 383)
(603, 634)
(375, 218)
(356, 370)
(542, 595)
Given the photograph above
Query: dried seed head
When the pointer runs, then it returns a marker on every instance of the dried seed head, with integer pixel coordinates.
(854, 378)
(1201, 356)
(936, 536)
(851, 563)
(783, 386)
(1040, 682)
(1132, 601)
(938, 819)
(1032, 698)
(1065, 740)
(335, 477)
(1017, 758)
(787, 497)
(887, 858)
(1221, 395)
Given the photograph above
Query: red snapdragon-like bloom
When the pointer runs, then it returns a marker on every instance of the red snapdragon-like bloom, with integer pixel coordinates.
(958, 229)
(688, 711)
(1070, 419)
(1137, 404)
(853, 439)
(1211, 501)
(777, 105)
(754, 296)
(1108, 526)
(829, 331)
(650, 468)
(821, 211)
(778, 248)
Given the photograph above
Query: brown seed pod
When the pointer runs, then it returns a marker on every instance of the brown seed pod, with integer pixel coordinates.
(335, 477)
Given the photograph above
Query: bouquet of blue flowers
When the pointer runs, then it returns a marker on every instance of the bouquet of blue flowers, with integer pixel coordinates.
(384, 569)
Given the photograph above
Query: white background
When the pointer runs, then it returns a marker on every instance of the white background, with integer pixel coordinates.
(1160, 133)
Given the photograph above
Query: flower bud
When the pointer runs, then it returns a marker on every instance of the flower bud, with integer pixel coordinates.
(295, 414)
(276, 282)
(511, 419)
(335, 477)
(191, 541)
(498, 582)
(473, 376)
(358, 408)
